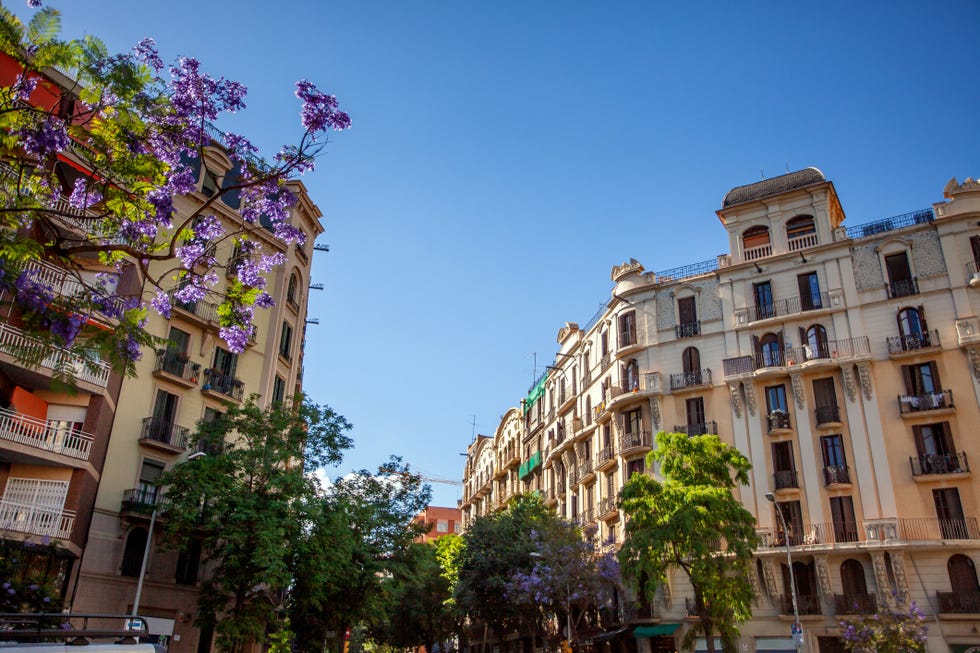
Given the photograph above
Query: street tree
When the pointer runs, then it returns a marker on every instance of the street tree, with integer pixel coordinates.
(240, 504)
(353, 536)
(893, 629)
(414, 609)
(98, 152)
(691, 521)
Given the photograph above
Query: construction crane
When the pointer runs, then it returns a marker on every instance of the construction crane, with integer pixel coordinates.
(436, 479)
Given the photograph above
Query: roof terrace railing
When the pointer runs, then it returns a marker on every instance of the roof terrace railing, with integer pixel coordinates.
(890, 224)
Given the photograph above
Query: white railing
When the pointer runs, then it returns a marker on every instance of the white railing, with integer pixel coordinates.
(802, 242)
(57, 436)
(36, 520)
(753, 253)
(60, 281)
(13, 340)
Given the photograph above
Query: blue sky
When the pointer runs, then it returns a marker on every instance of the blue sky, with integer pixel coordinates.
(504, 156)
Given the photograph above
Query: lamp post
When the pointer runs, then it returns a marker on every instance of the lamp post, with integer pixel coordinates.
(149, 539)
(568, 598)
(789, 562)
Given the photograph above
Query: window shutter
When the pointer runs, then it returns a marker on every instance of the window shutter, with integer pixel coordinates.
(907, 377)
(922, 323)
(756, 347)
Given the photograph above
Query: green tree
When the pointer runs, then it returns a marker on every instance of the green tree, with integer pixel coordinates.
(692, 521)
(901, 629)
(242, 502)
(352, 538)
(414, 610)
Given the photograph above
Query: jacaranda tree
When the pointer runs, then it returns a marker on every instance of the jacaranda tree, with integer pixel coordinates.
(96, 150)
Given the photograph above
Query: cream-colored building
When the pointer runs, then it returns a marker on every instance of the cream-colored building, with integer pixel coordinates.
(844, 361)
(193, 379)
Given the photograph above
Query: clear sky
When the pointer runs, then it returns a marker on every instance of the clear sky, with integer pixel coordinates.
(505, 155)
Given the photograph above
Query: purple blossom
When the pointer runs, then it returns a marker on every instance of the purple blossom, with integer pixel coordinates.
(81, 198)
(208, 228)
(236, 336)
(191, 292)
(264, 300)
(67, 328)
(129, 348)
(25, 85)
(34, 294)
(161, 304)
(47, 138)
(34, 4)
(146, 51)
(320, 111)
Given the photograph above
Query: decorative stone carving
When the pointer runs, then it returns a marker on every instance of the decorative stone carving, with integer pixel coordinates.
(867, 267)
(736, 398)
(566, 331)
(864, 370)
(974, 353)
(749, 398)
(754, 581)
(954, 188)
(901, 580)
(770, 574)
(881, 577)
(797, 380)
(666, 592)
(625, 270)
(823, 576)
(655, 413)
(849, 388)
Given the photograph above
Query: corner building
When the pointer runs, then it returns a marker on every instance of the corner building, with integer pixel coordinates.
(844, 361)
(195, 378)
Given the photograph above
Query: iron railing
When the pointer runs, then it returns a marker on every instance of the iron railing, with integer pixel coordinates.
(890, 224)
(163, 430)
(17, 343)
(927, 401)
(627, 339)
(140, 500)
(785, 478)
(202, 309)
(639, 439)
(913, 342)
(789, 306)
(902, 288)
(604, 455)
(939, 464)
(177, 364)
(855, 604)
(584, 469)
(606, 506)
(688, 271)
(832, 350)
(33, 519)
(224, 384)
(931, 528)
(958, 602)
(56, 436)
(687, 329)
(779, 419)
(692, 430)
(806, 604)
(827, 414)
(681, 380)
(833, 474)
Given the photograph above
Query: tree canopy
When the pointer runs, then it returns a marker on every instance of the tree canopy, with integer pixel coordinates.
(691, 521)
(98, 149)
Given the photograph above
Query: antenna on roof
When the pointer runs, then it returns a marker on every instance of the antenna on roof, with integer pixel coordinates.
(472, 426)
(787, 166)
(763, 173)
(534, 369)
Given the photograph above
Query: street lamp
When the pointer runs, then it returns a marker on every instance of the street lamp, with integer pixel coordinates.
(789, 562)
(149, 539)
(568, 597)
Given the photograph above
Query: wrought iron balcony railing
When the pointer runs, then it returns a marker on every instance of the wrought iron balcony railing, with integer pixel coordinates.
(958, 602)
(939, 464)
(806, 604)
(687, 329)
(785, 479)
(855, 604)
(681, 380)
(692, 430)
(913, 342)
(902, 288)
(634, 440)
(163, 430)
(827, 414)
(224, 384)
(833, 474)
(779, 419)
(927, 401)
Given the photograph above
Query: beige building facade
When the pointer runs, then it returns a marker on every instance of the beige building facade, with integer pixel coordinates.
(192, 379)
(842, 360)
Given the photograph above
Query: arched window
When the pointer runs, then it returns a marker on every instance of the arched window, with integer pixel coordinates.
(852, 577)
(816, 343)
(133, 553)
(755, 243)
(912, 329)
(631, 376)
(292, 290)
(771, 350)
(801, 232)
(691, 359)
(962, 576)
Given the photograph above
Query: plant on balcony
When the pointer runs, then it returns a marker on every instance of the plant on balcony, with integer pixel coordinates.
(899, 629)
(139, 130)
(29, 572)
(680, 523)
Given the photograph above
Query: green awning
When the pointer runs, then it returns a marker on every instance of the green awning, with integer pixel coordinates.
(965, 648)
(535, 394)
(656, 630)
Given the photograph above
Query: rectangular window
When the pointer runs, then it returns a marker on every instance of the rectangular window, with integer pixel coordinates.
(225, 362)
(210, 184)
(975, 248)
(442, 525)
(832, 447)
(949, 510)
(458, 528)
(604, 343)
(764, 307)
(842, 514)
(776, 398)
(606, 435)
(286, 341)
(150, 471)
(934, 440)
(687, 313)
(809, 291)
(921, 379)
(793, 515)
(782, 457)
(632, 422)
(901, 283)
(634, 467)
(278, 390)
(34, 505)
(695, 415)
(176, 357)
(627, 329)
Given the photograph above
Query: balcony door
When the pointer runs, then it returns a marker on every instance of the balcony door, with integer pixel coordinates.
(178, 344)
(809, 291)
(695, 416)
(793, 515)
(688, 316)
(842, 514)
(783, 467)
(963, 575)
(764, 307)
(691, 359)
(949, 511)
(853, 580)
(912, 328)
(164, 415)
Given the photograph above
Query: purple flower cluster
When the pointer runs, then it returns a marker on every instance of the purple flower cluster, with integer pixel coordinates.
(67, 328)
(83, 197)
(32, 293)
(320, 111)
(146, 51)
(49, 137)
(236, 336)
(24, 86)
(161, 304)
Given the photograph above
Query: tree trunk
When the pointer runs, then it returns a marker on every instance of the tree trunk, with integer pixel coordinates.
(706, 623)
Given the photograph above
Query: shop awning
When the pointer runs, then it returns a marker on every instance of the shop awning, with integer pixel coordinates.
(657, 630)
(965, 648)
(612, 634)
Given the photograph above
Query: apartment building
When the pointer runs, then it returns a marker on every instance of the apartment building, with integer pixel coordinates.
(441, 521)
(194, 378)
(842, 360)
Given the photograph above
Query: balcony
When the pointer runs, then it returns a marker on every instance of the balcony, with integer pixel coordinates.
(827, 416)
(639, 611)
(899, 346)
(162, 431)
(785, 479)
(931, 528)
(139, 501)
(968, 331)
(605, 458)
(942, 400)
(691, 430)
(836, 475)
(782, 308)
(902, 288)
(530, 466)
(32, 519)
(585, 471)
(634, 442)
(82, 368)
(628, 342)
(687, 329)
(855, 604)
(69, 286)
(176, 367)
(802, 242)
(55, 436)
(205, 311)
(958, 602)
(936, 464)
(779, 422)
(808, 534)
(831, 352)
(806, 604)
(222, 386)
(692, 379)
(607, 507)
(586, 517)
